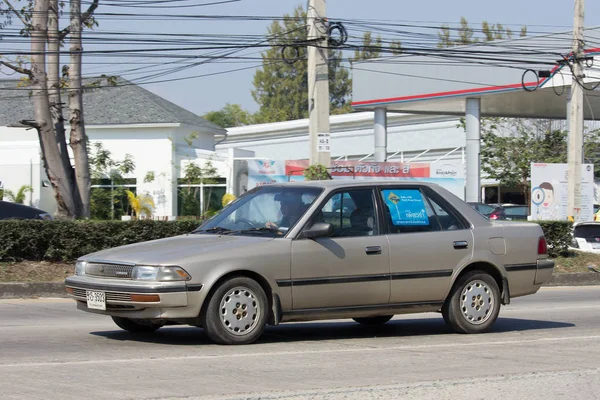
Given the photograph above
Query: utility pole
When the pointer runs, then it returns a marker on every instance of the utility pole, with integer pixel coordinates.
(318, 85)
(575, 139)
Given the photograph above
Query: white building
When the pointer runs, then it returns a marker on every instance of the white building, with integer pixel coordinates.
(160, 136)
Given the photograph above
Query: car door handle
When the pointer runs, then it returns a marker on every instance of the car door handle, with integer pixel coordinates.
(373, 250)
(461, 244)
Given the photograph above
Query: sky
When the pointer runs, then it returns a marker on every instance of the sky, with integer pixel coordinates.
(208, 86)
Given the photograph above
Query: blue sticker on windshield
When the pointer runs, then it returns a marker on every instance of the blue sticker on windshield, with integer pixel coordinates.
(406, 206)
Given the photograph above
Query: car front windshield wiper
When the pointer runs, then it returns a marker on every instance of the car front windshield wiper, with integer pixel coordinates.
(214, 229)
(262, 229)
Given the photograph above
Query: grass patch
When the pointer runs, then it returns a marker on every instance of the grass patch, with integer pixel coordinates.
(576, 262)
(35, 271)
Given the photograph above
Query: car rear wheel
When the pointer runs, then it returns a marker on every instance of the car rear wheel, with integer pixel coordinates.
(236, 312)
(136, 326)
(378, 320)
(474, 303)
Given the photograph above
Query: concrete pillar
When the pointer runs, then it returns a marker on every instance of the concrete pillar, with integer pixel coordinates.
(473, 130)
(380, 133)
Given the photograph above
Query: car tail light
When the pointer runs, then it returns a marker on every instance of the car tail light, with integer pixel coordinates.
(494, 216)
(542, 246)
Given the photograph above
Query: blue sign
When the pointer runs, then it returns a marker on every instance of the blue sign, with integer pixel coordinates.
(407, 207)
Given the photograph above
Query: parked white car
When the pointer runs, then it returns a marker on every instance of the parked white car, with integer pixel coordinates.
(586, 237)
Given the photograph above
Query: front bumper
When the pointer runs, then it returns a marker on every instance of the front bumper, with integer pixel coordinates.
(176, 300)
(543, 271)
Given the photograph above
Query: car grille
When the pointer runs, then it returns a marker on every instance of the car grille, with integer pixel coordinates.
(109, 270)
(110, 296)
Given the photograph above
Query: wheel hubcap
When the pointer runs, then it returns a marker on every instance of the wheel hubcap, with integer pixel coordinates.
(239, 311)
(477, 302)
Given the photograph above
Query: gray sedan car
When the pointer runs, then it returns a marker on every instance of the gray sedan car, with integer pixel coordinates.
(319, 250)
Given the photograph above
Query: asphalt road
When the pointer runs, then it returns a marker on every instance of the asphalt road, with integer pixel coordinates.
(545, 346)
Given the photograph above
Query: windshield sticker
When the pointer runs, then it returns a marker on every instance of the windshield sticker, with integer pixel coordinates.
(406, 206)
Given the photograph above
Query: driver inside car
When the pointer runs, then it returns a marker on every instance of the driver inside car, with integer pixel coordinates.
(291, 208)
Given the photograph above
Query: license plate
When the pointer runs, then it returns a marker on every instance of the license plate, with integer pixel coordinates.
(96, 300)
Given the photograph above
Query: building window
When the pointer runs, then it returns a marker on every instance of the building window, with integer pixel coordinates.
(199, 200)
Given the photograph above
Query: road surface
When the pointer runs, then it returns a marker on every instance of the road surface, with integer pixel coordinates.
(545, 346)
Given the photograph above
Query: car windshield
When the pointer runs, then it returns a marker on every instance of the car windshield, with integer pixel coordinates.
(587, 231)
(266, 210)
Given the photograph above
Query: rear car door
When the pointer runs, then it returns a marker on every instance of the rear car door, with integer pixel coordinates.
(350, 268)
(428, 241)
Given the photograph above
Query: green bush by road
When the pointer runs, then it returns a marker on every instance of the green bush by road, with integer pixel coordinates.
(68, 240)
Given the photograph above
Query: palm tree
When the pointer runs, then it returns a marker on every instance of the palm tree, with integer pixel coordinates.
(18, 198)
(140, 204)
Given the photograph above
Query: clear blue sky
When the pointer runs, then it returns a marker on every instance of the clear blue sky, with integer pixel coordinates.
(208, 93)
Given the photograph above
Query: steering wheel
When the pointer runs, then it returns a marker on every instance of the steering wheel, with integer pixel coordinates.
(246, 221)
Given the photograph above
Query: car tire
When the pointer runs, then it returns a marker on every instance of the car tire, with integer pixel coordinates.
(237, 312)
(473, 304)
(136, 326)
(378, 320)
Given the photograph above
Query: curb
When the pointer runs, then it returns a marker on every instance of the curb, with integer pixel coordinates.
(19, 290)
(574, 279)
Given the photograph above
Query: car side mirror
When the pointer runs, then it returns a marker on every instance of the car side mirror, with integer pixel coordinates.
(320, 229)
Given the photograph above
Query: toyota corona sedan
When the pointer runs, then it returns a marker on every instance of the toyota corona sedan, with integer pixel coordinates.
(319, 250)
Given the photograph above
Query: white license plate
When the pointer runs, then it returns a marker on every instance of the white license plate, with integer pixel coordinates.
(96, 300)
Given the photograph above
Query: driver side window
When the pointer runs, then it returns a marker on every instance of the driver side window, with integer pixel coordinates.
(352, 213)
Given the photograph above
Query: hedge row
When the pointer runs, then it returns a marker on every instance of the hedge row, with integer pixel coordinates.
(558, 235)
(67, 240)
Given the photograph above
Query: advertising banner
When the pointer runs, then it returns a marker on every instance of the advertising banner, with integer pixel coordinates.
(549, 192)
(447, 174)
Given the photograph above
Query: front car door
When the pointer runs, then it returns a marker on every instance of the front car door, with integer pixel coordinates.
(350, 268)
(428, 241)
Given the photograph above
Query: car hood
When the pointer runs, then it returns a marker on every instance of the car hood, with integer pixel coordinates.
(170, 251)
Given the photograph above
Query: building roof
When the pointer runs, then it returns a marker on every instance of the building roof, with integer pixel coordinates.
(122, 104)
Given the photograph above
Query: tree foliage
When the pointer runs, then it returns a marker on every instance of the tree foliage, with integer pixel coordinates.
(141, 204)
(108, 202)
(230, 115)
(465, 34)
(280, 87)
(371, 48)
(194, 175)
(18, 197)
(509, 146)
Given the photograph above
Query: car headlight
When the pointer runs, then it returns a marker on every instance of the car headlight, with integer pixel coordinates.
(161, 274)
(80, 267)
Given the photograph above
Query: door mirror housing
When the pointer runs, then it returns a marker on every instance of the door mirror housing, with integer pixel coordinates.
(320, 229)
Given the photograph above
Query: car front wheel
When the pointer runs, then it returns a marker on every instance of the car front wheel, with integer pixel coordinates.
(236, 312)
(474, 303)
(135, 326)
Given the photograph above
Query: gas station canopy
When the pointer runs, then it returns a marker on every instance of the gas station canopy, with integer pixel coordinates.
(523, 77)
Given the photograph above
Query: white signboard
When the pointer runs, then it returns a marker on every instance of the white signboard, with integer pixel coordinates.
(550, 192)
(324, 142)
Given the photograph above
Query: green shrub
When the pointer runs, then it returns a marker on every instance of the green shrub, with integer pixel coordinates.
(558, 235)
(316, 172)
(67, 240)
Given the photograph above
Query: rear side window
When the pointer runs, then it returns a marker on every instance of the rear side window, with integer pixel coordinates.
(408, 210)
